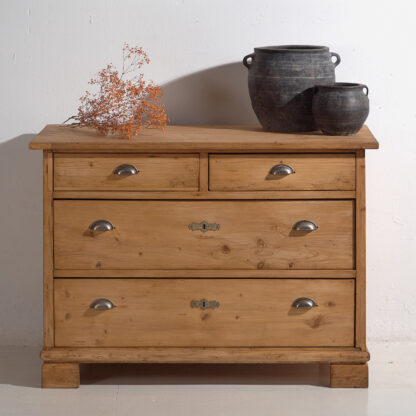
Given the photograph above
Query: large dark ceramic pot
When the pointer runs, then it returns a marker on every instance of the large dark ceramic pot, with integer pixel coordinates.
(340, 109)
(281, 81)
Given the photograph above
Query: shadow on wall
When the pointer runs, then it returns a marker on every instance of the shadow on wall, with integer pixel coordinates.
(20, 242)
(217, 95)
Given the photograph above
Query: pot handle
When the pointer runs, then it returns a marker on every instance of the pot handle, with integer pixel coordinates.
(366, 89)
(246, 58)
(337, 62)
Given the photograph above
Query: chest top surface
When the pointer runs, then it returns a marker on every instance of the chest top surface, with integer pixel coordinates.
(198, 138)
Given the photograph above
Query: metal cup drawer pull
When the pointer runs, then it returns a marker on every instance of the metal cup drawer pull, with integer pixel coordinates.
(205, 304)
(101, 225)
(281, 170)
(102, 304)
(304, 303)
(204, 226)
(305, 225)
(126, 169)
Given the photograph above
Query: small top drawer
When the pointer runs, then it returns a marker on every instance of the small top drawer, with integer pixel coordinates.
(273, 172)
(126, 172)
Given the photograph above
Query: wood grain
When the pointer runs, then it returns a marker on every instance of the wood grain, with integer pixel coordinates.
(197, 139)
(312, 172)
(48, 317)
(298, 355)
(158, 312)
(157, 172)
(235, 274)
(203, 172)
(252, 235)
(266, 195)
(60, 375)
(360, 252)
(349, 375)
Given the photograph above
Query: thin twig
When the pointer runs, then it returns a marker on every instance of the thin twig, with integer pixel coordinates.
(70, 118)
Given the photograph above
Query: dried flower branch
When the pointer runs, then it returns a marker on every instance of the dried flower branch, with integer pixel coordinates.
(125, 103)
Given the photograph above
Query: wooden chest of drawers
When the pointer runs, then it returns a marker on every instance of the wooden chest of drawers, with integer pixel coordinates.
(204, 245)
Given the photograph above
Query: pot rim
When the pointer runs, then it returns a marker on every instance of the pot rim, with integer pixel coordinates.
(346, 85)
(292, 49)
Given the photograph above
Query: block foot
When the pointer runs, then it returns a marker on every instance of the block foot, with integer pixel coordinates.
(349, 375)
(60, 375)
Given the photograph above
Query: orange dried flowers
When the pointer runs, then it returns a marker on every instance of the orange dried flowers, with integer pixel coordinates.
(125, 103)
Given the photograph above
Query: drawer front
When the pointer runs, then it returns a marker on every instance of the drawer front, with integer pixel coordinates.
(100, 172)
(274, 172)
(161, 312)
(171, 235)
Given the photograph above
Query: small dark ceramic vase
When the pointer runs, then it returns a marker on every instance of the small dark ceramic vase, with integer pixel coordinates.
(340, 109)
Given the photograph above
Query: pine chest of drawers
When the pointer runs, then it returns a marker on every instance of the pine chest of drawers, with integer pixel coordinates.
(204, 245)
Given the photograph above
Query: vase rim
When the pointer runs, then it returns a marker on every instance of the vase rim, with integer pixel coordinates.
(292, 48)
(348, 85)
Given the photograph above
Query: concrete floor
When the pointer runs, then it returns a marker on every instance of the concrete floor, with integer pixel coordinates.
(173, 390)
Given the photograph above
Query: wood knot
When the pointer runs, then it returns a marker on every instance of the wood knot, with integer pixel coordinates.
(315, 322)
(260, 265)
(205, 316)
(225, 249)
(260, 243)
(98, 264)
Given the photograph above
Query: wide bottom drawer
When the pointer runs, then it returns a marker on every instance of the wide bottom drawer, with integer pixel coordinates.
(204, 312)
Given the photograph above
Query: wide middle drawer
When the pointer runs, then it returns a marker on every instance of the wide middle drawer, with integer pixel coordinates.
(203, 235)
(126, 172)
(204, 312)
(272, 172)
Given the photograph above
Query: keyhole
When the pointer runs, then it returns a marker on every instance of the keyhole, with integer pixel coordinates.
(203, 304)
(204, 226)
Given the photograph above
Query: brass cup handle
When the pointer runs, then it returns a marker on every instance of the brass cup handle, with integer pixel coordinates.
(304, 303)
(126, 169)
(101, 225)
(102, 304)
(281, 170)
(305, 225)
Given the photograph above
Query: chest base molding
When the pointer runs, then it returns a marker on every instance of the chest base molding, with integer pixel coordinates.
(339, 367)
(192, 355)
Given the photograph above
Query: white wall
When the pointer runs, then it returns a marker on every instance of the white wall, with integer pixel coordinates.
(50, 48)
